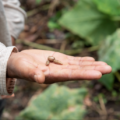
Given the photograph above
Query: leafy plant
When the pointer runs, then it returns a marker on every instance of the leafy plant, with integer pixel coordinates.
(94, 20)
(108, 81)
(90, 22)
(38, 1)
(52, 24)
(110, 53)
(78, 44)
(96, 98)
(110, 7)
(56, 103)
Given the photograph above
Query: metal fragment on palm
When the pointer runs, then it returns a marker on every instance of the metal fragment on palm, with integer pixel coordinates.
(58, 62)
(51, 58)
(47, 63)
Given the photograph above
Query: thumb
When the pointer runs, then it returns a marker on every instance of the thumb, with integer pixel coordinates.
(39, 77)
(7, 96)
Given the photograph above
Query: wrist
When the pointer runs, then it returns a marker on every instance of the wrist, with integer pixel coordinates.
(10, 84)
(10, 64)
(10, 80)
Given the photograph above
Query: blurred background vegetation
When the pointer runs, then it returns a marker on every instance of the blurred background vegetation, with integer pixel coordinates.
(78, 28)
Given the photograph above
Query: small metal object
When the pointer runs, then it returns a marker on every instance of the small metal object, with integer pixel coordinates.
(57, 62)
(47, 63)
(52, 59)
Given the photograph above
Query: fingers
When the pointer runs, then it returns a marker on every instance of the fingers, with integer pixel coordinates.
(104, 69)
(83, 61)
(85, 75)
(39, 77)
(97, 63)
(6, 97)
(76, 72)
(69, 74)
(79, 60)
(88, 63)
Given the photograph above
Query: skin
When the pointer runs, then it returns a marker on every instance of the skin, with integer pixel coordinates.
(7, 82)
(31, 65)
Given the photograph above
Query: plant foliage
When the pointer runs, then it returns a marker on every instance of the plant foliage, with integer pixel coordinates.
(108, 81)
(56, 103)
(110, 7)
(110, 51)
(38, 1)
(96, 21)
(89, 22)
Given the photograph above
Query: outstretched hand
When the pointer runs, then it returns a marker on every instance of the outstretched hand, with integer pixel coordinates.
(31, 65)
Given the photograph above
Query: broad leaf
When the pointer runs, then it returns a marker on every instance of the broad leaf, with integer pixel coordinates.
(86, 21)
(38, 1)
(110, 51)
(56, 103)
(111, 7)
(107, 81)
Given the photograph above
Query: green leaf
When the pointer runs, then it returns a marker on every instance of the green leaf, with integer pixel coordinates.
(86, 21)
(110, 51)
(38, 1)
(53, 25)
(110, 7)
(56, 103)
(107, 81)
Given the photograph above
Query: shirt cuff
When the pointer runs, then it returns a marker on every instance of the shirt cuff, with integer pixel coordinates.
(5, 53)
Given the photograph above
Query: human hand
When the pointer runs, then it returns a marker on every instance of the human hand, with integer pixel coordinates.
(31, 65)
(7, 96)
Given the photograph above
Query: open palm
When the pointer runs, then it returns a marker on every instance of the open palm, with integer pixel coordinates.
(31, 65)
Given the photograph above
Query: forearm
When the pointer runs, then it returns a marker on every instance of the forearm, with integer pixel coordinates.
(10, 82)
(15, 18)
(5, 53)
(15, 28)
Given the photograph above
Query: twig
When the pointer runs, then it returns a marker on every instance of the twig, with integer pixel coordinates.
(35, 45)
(93, 48)
(102, 105)
(34, 11)
(48, 41)
(96, 108)
(117, 18)
(63, 45)
(117, 76)
(43, 47)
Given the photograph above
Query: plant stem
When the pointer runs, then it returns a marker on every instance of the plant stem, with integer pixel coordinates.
(117, 18)
(35, 45)
(93, 48)
(43, 47)
(117, 75)
(34, 11)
